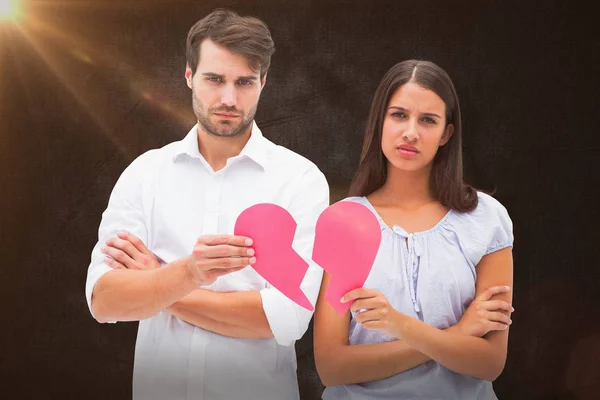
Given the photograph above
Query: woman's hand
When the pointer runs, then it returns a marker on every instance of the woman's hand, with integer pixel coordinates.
(374, 311)
(484, 315)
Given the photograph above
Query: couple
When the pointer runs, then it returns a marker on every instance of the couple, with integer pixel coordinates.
(431, 321)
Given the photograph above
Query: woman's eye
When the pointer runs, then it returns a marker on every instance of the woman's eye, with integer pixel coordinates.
(428, 120)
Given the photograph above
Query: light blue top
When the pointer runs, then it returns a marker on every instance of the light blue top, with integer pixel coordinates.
(431, 276)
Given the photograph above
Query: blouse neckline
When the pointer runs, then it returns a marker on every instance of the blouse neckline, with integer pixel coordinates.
(398, 229)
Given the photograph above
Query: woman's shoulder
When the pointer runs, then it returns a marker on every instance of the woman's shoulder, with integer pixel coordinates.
(487, 228)
(488, 207)
(356, 199)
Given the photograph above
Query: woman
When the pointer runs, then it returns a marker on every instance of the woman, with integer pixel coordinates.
(431, 320)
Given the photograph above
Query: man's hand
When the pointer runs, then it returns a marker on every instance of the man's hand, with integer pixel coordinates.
(128, 251)
(213, 256)
(217, 255)
(484, 315)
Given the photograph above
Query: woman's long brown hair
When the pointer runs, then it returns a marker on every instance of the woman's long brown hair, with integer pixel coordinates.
(446, 178)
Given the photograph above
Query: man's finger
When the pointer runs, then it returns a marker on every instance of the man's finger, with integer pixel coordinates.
(216, 273)
(492, 291)
(113, 263)
(124, 246)
(215, 240)
(228, 263)
(135, 241)
(225, 250)
(119, 256)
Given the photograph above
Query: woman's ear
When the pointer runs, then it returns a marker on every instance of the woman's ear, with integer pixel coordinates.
(448, 132)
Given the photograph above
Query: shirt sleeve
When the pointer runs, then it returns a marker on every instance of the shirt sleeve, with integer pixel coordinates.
(125, 211)
(499, 224)
(289, 321)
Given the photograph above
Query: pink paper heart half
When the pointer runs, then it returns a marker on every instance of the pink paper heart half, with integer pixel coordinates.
(272, 230)
(347, 240)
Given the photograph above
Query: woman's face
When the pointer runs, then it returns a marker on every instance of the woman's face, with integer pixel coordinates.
(414, 127)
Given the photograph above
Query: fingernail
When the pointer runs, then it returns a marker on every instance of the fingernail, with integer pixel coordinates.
(250, 252)
(510, 321)
(103, 248)
(342, 300)
(252, 260)
(512, 309)
(507, 287)
(248, 242)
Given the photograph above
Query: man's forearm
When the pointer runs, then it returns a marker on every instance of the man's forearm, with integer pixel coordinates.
(236, 314)
(132, 295)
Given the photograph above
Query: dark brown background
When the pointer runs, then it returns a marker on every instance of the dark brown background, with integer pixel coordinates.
(86, 86)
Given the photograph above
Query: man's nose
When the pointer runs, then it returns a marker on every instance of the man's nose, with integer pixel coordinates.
(228, 96)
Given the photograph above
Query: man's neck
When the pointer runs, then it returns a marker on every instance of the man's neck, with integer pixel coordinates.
(216, 150)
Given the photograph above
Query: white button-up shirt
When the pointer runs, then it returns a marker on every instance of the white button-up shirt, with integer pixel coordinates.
(169, 197)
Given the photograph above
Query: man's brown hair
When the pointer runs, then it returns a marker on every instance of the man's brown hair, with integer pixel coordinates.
(247, 36)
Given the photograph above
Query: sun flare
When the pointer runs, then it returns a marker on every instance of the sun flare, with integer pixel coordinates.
(10, 10)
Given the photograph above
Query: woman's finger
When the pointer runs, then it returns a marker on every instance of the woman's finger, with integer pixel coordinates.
(498, 317)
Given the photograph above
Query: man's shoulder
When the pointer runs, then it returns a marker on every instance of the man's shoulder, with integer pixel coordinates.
(283, 157)
(153, 159)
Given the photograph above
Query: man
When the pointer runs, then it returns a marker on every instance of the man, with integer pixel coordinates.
(210, 328)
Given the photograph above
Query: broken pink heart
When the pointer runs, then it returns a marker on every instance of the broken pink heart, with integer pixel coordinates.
(272, 230)
(347, 239)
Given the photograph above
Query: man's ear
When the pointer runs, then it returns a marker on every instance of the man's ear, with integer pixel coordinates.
(264, 81)
(448, 132)
(188, 75)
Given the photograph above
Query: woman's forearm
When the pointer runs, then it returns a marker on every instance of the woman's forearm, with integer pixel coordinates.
(349, 364)
(482, 358)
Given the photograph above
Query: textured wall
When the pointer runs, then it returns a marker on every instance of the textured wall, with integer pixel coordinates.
(86, 86)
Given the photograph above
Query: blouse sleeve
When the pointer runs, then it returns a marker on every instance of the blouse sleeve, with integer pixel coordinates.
(484, 230)
(498, 222)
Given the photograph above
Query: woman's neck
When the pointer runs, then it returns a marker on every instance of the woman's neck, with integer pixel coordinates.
(406, 189)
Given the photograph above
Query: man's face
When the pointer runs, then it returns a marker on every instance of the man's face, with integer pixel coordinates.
(225, 91)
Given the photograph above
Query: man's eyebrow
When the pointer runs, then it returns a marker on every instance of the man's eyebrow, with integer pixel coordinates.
(212, 74)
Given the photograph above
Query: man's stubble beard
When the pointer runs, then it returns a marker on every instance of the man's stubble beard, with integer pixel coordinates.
(226, 128)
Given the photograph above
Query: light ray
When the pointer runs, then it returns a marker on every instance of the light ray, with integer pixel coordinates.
(52, 63)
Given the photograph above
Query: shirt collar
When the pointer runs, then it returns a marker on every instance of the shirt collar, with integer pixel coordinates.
(255, 149)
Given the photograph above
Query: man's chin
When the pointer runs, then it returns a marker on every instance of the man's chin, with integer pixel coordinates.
(226, 129)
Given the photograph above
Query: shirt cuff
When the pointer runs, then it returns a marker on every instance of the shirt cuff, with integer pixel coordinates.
(287, 321)
(94, 274)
